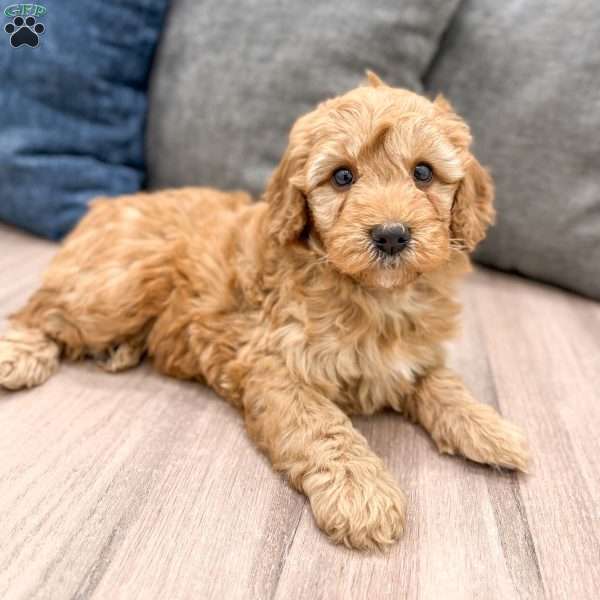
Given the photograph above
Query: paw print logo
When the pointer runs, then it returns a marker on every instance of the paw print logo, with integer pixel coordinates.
(24, 31)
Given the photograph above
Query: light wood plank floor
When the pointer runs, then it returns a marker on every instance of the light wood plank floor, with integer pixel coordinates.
(136, 486)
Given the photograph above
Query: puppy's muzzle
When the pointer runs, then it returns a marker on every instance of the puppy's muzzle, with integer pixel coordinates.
(390, 238)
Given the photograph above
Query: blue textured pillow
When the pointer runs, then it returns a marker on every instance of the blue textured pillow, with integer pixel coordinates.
(72, 108)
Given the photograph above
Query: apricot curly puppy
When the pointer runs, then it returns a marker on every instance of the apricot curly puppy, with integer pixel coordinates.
(332, 296)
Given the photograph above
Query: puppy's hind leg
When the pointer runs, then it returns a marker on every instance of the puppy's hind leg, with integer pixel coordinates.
(27, 358)
(123, 356)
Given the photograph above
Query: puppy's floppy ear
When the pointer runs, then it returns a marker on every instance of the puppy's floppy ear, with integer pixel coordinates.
(473, 210)
(287, 203)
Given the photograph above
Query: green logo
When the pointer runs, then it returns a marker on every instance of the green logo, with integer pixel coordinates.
(25, 10)
(25, 29)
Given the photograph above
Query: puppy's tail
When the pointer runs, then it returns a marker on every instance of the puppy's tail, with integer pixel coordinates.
(28, 357)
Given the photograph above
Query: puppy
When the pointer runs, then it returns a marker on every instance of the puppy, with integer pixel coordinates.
(333, 296)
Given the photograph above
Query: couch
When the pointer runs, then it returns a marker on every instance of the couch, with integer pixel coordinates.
(135, 486)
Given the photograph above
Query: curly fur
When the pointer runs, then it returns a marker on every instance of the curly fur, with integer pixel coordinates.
(284, 308)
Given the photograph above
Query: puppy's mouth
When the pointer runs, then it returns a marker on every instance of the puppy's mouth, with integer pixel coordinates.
(391, 270)
(389, 261)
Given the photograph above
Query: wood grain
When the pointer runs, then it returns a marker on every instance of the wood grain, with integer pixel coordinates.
(136, 486)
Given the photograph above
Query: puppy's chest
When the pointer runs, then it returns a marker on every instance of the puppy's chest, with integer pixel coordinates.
(356, 362)
(374, 365)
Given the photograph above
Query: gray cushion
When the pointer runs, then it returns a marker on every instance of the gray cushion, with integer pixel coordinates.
(228, 83)
(230, 78)
(526, 75)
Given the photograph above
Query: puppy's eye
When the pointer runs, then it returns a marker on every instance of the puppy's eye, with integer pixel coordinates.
(423, 173)
(342, 178)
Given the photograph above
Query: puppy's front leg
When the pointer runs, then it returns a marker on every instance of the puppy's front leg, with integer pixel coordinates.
(460, 425)
(353, 497)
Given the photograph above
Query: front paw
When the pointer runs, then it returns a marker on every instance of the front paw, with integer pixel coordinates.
(359, 506)
(483, 436)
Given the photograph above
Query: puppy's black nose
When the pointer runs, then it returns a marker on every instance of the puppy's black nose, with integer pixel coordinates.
(390, 239)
